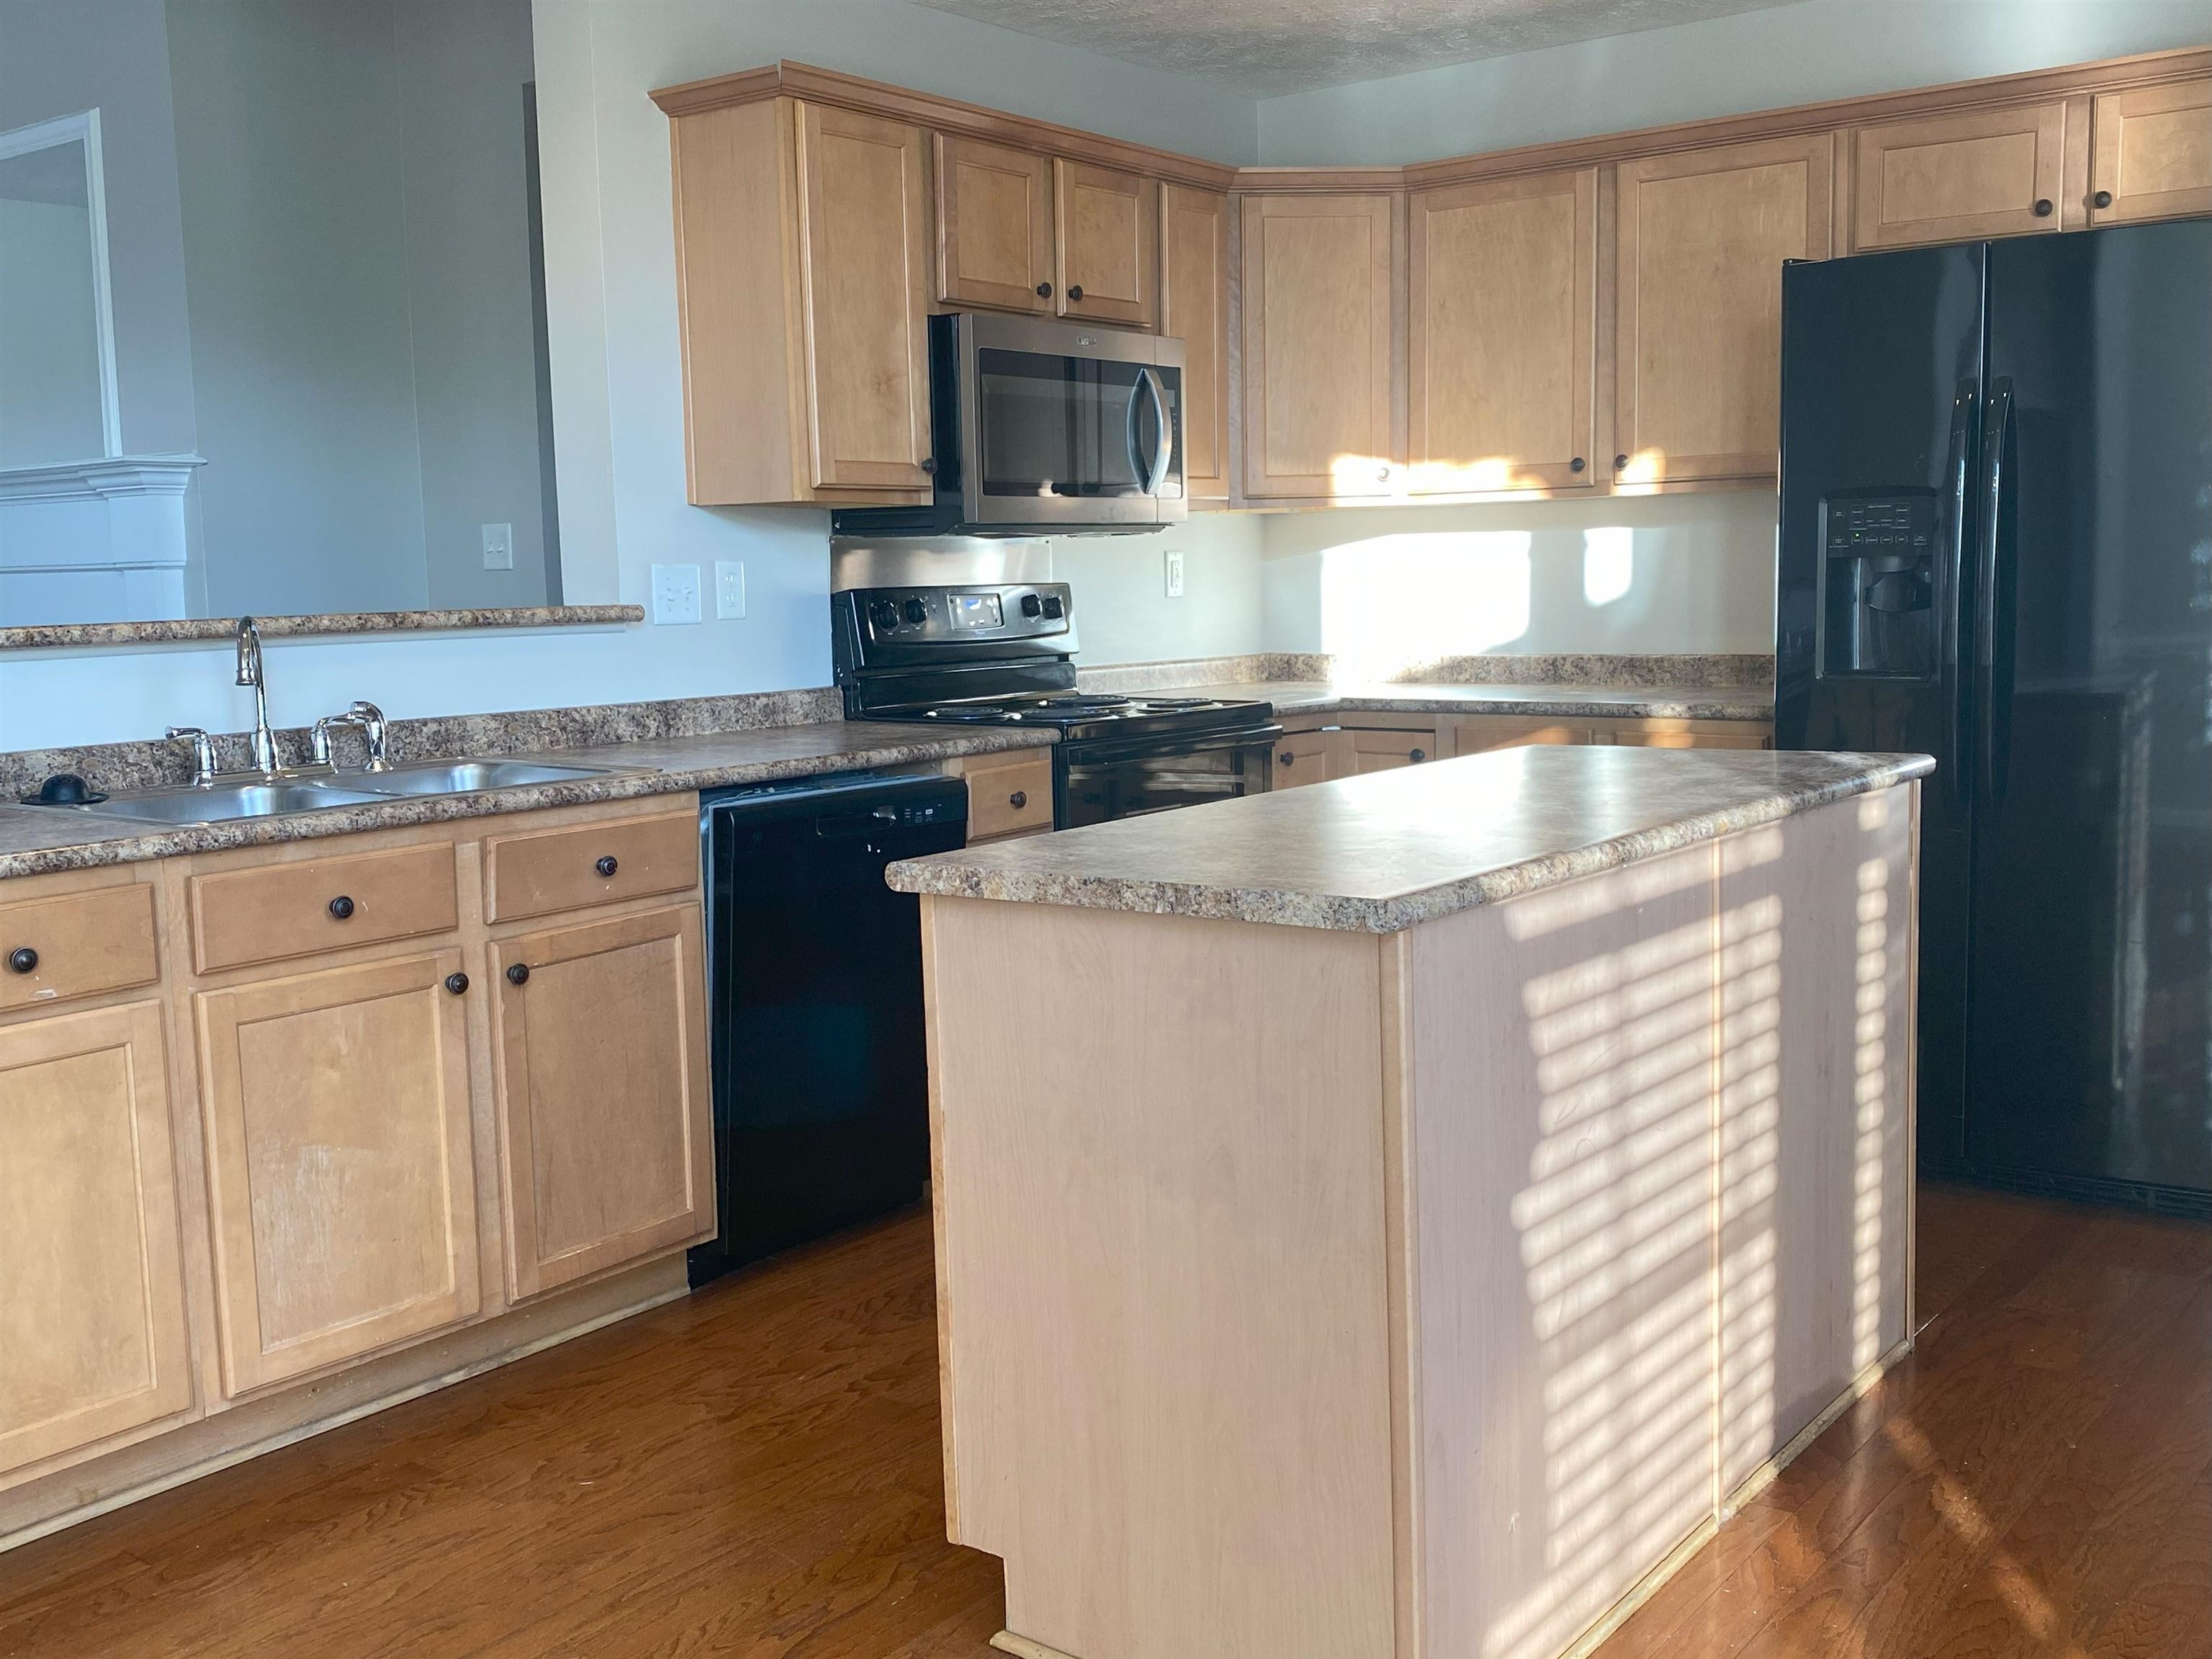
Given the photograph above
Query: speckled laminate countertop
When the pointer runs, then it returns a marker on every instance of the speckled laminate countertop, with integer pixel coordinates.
(1391, 850)
(1292, 697)
(39, 840)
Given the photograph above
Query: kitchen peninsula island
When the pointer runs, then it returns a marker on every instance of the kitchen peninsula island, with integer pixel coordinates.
(1395, 1218)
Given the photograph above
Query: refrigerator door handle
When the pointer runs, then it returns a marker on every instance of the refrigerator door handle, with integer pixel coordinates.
(1992, 609)
(1953, 617)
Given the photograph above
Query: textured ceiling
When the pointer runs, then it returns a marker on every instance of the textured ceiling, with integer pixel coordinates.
(1267, 47)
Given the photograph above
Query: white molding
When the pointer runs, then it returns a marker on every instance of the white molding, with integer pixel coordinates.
(83, 128)
(106, 477)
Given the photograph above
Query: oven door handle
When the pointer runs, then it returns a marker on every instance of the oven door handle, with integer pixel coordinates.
(1108, 751)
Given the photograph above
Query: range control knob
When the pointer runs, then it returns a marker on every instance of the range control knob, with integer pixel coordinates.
(1032, 606)
(883, 615)
(1052, 607)
(916, 611)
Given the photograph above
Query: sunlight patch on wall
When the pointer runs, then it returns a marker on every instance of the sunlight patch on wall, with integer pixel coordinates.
(1608, 564)
(1387, 598)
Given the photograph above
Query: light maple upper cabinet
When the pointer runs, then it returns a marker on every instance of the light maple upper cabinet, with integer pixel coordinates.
(1501, 372)
(2151, 153)
(803, 288)
(340, 1174)
(1317, 349)
(1701, 236)
(92, 1319)
(993, 225)
(1194, 308)
(1958, 176)
(600, 1039)
(1106, 243)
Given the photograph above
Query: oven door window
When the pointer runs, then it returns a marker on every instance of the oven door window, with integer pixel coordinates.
(1055, 426)
(1102, 790)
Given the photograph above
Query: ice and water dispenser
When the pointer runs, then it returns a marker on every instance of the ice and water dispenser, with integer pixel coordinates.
(1878, 610)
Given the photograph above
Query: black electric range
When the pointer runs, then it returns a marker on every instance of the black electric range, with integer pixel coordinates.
(1002, 654)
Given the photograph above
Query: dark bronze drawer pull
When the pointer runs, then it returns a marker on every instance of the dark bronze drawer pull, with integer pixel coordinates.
(517, 973)
(607, 866)
(342, 908)
(457, 983)
(1018, 799)
(23, 960)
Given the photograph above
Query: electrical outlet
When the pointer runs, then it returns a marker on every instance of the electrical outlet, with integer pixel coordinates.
(729, 589)
(675, 593)
(498, 546)
(1175, 572)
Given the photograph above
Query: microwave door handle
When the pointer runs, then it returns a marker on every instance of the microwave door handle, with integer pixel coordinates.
(1164, 455)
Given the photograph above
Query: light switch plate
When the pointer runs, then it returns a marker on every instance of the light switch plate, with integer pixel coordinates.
(498, 546)
(675, 593)
(729, 589)
(1175, 572)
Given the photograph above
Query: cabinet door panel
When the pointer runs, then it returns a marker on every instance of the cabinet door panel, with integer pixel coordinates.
(604, 1103)
(340, 1173)
(2152, 153)
(1501, 361)
(1194, 308)
(1381, 750)
(1702, 238)
(864, 299)
(1956, 176)
(92, 1295)
(1489, 731)
(1107, 243)
(993, 225)
(1317, 377)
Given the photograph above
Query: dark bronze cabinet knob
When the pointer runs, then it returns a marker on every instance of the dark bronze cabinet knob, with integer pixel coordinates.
(1075, 291)
(457, 983)
(342, 908)
(606, 866)
(23, 960)
(2043, 207)
(1286, 759)
(1018, 799)
(1417, 755)
(2103, 198)
(517, 973)
(1575, 465)
(929, 464)
(1044, 290)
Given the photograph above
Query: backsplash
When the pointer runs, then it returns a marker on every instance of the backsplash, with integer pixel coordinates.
(1679, 671)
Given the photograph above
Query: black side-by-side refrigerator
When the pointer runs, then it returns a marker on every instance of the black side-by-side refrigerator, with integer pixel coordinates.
(1995, 548)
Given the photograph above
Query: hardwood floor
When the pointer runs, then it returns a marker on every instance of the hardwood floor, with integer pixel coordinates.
(755, 1471)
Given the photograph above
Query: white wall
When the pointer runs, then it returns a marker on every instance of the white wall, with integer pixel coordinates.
(1382, 585)
(1754, 60)
(1122, 608)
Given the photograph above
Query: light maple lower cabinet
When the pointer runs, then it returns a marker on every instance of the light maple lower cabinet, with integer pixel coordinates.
(1314, 749)
(1701, 236)
(1502, 324)
(341, 1183)
(1318, 379)
(599, 1042)
(92, 1295)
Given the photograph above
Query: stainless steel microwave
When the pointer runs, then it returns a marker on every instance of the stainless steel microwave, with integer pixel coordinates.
(1043, 428)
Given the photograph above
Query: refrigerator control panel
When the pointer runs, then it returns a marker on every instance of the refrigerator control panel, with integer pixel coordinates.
(1878, 611)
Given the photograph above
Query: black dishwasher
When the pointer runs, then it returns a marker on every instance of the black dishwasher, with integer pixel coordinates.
(814, 984)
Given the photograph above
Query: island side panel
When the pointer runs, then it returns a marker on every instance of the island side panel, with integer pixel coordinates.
(1819, 945)
(1160, 1194)
(1560, 1084)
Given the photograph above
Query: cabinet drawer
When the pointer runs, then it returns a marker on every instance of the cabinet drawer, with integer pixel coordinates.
(1379, 750)
(1477, 737)
(282, 910)
(1009, 796)
(78, 945)
(550, 869)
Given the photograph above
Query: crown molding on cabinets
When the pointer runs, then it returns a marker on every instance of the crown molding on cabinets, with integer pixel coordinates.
(786, 79)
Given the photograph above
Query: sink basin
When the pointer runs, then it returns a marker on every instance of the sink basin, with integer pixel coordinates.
(459, 777)
(229, 800)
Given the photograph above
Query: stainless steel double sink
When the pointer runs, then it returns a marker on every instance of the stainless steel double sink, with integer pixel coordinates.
(254, 797)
